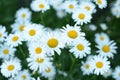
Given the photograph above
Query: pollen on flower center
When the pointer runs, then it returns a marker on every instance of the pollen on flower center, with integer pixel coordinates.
(21, 28)
(87, 8)
(6, 51)
(39, 60)
(87, 66)
(15, 38)
(41, 6)
(72, 34)
(99, 64)
(23, 15)
(38, 50)
(80, 47)
(48, 70)
(10, 67)
(101, 38)
(106, 48)
(0, 34)
(71, 6)
(81, 16)
(52, 43)
(99, 1)
(32, 32)
(24, 77)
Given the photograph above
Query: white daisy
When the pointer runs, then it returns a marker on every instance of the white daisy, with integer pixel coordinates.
(116, 73)
(92, 27)
(99, 65)
(14, 40)
(60, 13)
(23, 14)
(23, 75)
(81, 16)
(107, 49)
(3, 33)
(107, 74)
(101, 3)
(39, 5)
(86, 68)
(11, 67)
(101, 38)
(103, 26)
(116, 11)
(39, 64)
(72, 33)
(6, 51)
(81, 48)
(38, 78)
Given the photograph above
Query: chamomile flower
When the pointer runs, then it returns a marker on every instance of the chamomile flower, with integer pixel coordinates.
(60, 13)
(70, 6)
(101, 38)
(99, 65)
(6, 51)
(14, 40)
(101, 3)
(53, 42)
(116, 11)
(81, 48)
(23, 14)
(39, 64)
(107, 49)
(92, 27)
(116, 73)
(3, 33)
(72, 33)
(11, 67)
(32, 32)
(23, 75)
(86, 68)
(103, 26)
(49, 72)
(81, 16)
(108, 73)
(39, 5)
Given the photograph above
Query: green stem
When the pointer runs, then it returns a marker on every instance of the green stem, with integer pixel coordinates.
(42, 19)
(21, 51)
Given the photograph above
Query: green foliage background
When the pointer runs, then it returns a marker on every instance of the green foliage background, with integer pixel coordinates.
(64, 62)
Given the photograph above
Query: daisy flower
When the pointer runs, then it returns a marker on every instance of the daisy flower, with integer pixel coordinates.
(99, 65)
(6, 51)
(38, 78)
(107, 49)
(23, 14)
(23, 75)
(92, 27)
(81, 48)
(60, 13)
(39, 64)
(72, 33)
(116, 73)
(86, 68)
(81, 16)
(107, 74)
(70, 6)
(3, 33)
(32, 32)
(39, 5)
(11, 67)
(101, 38)
(116, 11)
(103, 26)
(14, 40)
(101, 3)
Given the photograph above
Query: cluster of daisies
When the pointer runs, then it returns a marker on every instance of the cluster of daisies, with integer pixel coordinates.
(43, 43)
(116, 9)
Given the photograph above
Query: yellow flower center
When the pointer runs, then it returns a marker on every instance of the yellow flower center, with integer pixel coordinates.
(23, 15)
(38, 50)
(106, 48)
(99, 1)
(6, 51)
(10, 67)
(81, 16)
(87, 66)
(24, 77)
(119, 74)
(101, 38)
(99, 64)
(52, 43)
(21, 28)
(0, 34)
(87, 8)
(32, 32)
(80, 47)
(15, 38)
(41, 6)
(48, 70)
(39, 60)
(72, 34)
(71, 6)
